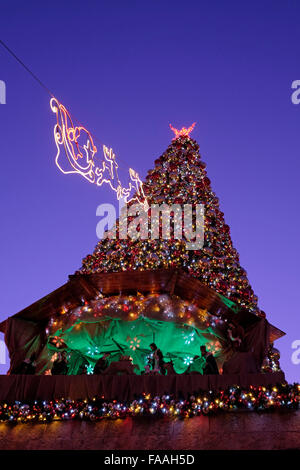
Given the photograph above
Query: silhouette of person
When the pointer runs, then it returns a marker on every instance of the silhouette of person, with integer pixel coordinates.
(101, 364)
(60, 366)
(27, 367)
(157, 360)
(211, 364)
(236, 335)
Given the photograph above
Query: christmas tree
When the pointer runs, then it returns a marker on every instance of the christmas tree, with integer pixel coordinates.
(180, 177)
(144, 287)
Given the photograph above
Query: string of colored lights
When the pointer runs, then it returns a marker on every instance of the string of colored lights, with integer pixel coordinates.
(235, 398)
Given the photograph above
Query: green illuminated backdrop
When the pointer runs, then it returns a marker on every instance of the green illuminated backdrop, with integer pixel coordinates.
(177, 327)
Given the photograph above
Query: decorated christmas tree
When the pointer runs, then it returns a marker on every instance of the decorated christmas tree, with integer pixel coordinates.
(180, 177)
(142, 286)
(179, 326)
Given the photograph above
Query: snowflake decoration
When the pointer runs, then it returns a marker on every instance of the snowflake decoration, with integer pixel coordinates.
(89, 369)
(188, 337)
(188, 360)
(213, 346)
(93, 350)
(58, 341)
(134, 343)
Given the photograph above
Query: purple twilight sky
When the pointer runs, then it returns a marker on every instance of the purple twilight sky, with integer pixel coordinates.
(126, 69)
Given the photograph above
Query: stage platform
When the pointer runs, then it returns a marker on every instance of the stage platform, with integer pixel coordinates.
(122, 387)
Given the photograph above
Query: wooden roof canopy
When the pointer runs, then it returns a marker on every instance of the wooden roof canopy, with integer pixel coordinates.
(171, 281)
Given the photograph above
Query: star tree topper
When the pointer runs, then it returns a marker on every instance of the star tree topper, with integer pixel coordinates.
(184, 132)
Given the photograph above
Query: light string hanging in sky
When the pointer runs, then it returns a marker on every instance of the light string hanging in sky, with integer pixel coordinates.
(82, 161)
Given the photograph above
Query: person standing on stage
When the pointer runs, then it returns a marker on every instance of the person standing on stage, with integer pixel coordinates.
(236, 334)
(60, 364)
(210, 362)
(101, 364)
(157, 360)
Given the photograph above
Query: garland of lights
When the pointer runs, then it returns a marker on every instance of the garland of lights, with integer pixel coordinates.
(130, 307)
(235, 398)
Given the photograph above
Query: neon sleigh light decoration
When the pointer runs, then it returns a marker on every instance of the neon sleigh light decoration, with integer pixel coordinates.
(80, 151)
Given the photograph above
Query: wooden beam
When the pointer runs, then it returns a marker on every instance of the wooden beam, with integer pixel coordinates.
(172, 281)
